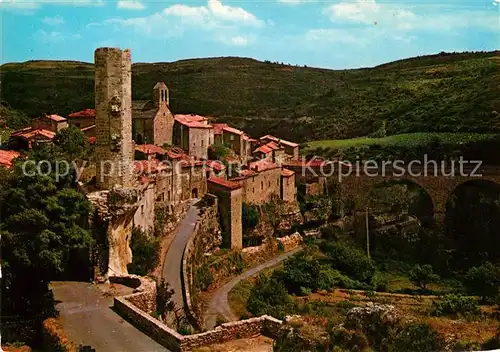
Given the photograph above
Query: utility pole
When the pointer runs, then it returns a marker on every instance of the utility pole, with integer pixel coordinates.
(367, 233)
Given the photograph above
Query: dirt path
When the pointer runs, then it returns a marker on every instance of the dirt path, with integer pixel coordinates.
(173, 261)
(219, 304)
(87, 318)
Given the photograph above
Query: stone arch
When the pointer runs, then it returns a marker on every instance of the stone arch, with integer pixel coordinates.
(422, 206)
(472, 220)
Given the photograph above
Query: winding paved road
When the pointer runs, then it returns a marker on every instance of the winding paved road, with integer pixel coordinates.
(219, 304)
(173, 260)
(87, 318)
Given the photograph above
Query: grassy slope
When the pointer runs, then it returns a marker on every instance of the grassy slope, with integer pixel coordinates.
(405, 140)
(451, 93)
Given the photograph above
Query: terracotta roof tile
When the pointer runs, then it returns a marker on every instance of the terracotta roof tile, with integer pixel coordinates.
(90, 113)
(7, 156)
(233, 130)
(55, 117)
(218, 127)
(224, 183)
(287, 173)
(262, 165)
(277, 140)
(193, 121)
(215, 164)
(263, 149)
(30, 133)
(150, 149)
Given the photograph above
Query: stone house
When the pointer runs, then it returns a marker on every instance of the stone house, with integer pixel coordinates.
(291, 149)
(152, 119)
(271, 151)
(193, 134)
(288, 189)
(42, 130)
(82, 119)
(53, 123)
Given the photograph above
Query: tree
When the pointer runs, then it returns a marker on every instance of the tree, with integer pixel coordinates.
(250, 216)
(350, 260)
(269, 296)
(145, 252)
(422, 276)
(164, 299)
(301, 273)
(418, 337)
(44, 224)
(484, 281)
(72, 142)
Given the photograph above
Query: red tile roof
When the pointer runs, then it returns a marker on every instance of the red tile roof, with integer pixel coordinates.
(247, 172)
(148, 166)
(263, 149)
(287, 173)
(150, 149)
(7, 156)
(215, 164)
(218, 127)
(277, 140)
(224, 183)
(29, 133)
(262, 165)
(90, 113)
(55, 117)
(193, 121)
(233, 130)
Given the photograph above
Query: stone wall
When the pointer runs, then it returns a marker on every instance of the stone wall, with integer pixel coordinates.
(145, 214)
(259, 188)
(205, 237)
(258, 254)
(264, 325)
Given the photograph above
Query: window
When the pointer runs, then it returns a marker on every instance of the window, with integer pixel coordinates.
(261, 185)
(253, 190)
(269, 184)
(202, 142)
(142, 209)
(231, 137)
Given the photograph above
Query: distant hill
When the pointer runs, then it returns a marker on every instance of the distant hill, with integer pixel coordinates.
(438, 93)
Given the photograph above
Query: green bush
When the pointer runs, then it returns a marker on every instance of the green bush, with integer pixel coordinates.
(422, 276)
(329, 278)
(350, 260)
(250, 217)
(455, 305)
(269, 296)
(145, 252)
(203, 278)
(484, 281)
(418, 338)
(301, 272)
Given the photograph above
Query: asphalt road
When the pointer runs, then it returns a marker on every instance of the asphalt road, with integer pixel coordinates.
(87, 318)
(219, 304)
(173, 260)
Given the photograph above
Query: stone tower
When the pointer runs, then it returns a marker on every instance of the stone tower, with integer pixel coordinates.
(113, 104)
(160, 96)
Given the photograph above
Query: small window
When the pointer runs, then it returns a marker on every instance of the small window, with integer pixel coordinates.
(253, 190)
(269, 184)
(261, 185)
(231, 137)
(202, 142)
(142, 209)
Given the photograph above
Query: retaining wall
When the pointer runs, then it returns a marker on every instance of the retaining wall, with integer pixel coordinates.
(264, 325)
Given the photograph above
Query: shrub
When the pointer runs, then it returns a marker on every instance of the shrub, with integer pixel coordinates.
(350, 260)
(484, 281)
(219, 320)
(269, 296)
(204, 278)
(418, 338)
(329, 278)
(301, 272)
(349, 340)
(145, 252)
(250, 217)
(422, 276)
(455, 305)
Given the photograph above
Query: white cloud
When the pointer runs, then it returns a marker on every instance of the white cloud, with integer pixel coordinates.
(52, 37)
(239, 40)
(418, 17)
(215, 18)
(293, 2)
(130, 5)
(35, 4)
(53, 21)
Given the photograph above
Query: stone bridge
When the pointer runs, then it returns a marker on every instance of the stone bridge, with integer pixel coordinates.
(437, 181)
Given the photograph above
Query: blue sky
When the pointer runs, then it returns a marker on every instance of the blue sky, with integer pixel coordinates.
(329, 33)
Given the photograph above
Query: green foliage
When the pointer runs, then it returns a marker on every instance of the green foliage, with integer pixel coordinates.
(269, 296)
(204, 277)
(422, 276)
(350, 260)
(14, 119)
(455, 305)
(218, 152)
(301, 273)
(250, 216)
(164, 299)
(484, 281)
(329, 278)
(72, 142)
(219, 320)
(43, 230)
(418, 338)
(145, 252)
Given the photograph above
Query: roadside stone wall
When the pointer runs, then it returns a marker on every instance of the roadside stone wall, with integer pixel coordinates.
(144, 296)
(259, 253)
(205, 238)
(264, 325)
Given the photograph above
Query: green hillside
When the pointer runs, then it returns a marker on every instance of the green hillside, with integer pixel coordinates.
(439, 93)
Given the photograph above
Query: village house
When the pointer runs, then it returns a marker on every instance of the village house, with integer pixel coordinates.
(193, 134)
(291, 149)
(42, 130)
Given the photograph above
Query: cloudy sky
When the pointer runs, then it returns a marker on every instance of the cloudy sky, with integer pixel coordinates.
(326, 33)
